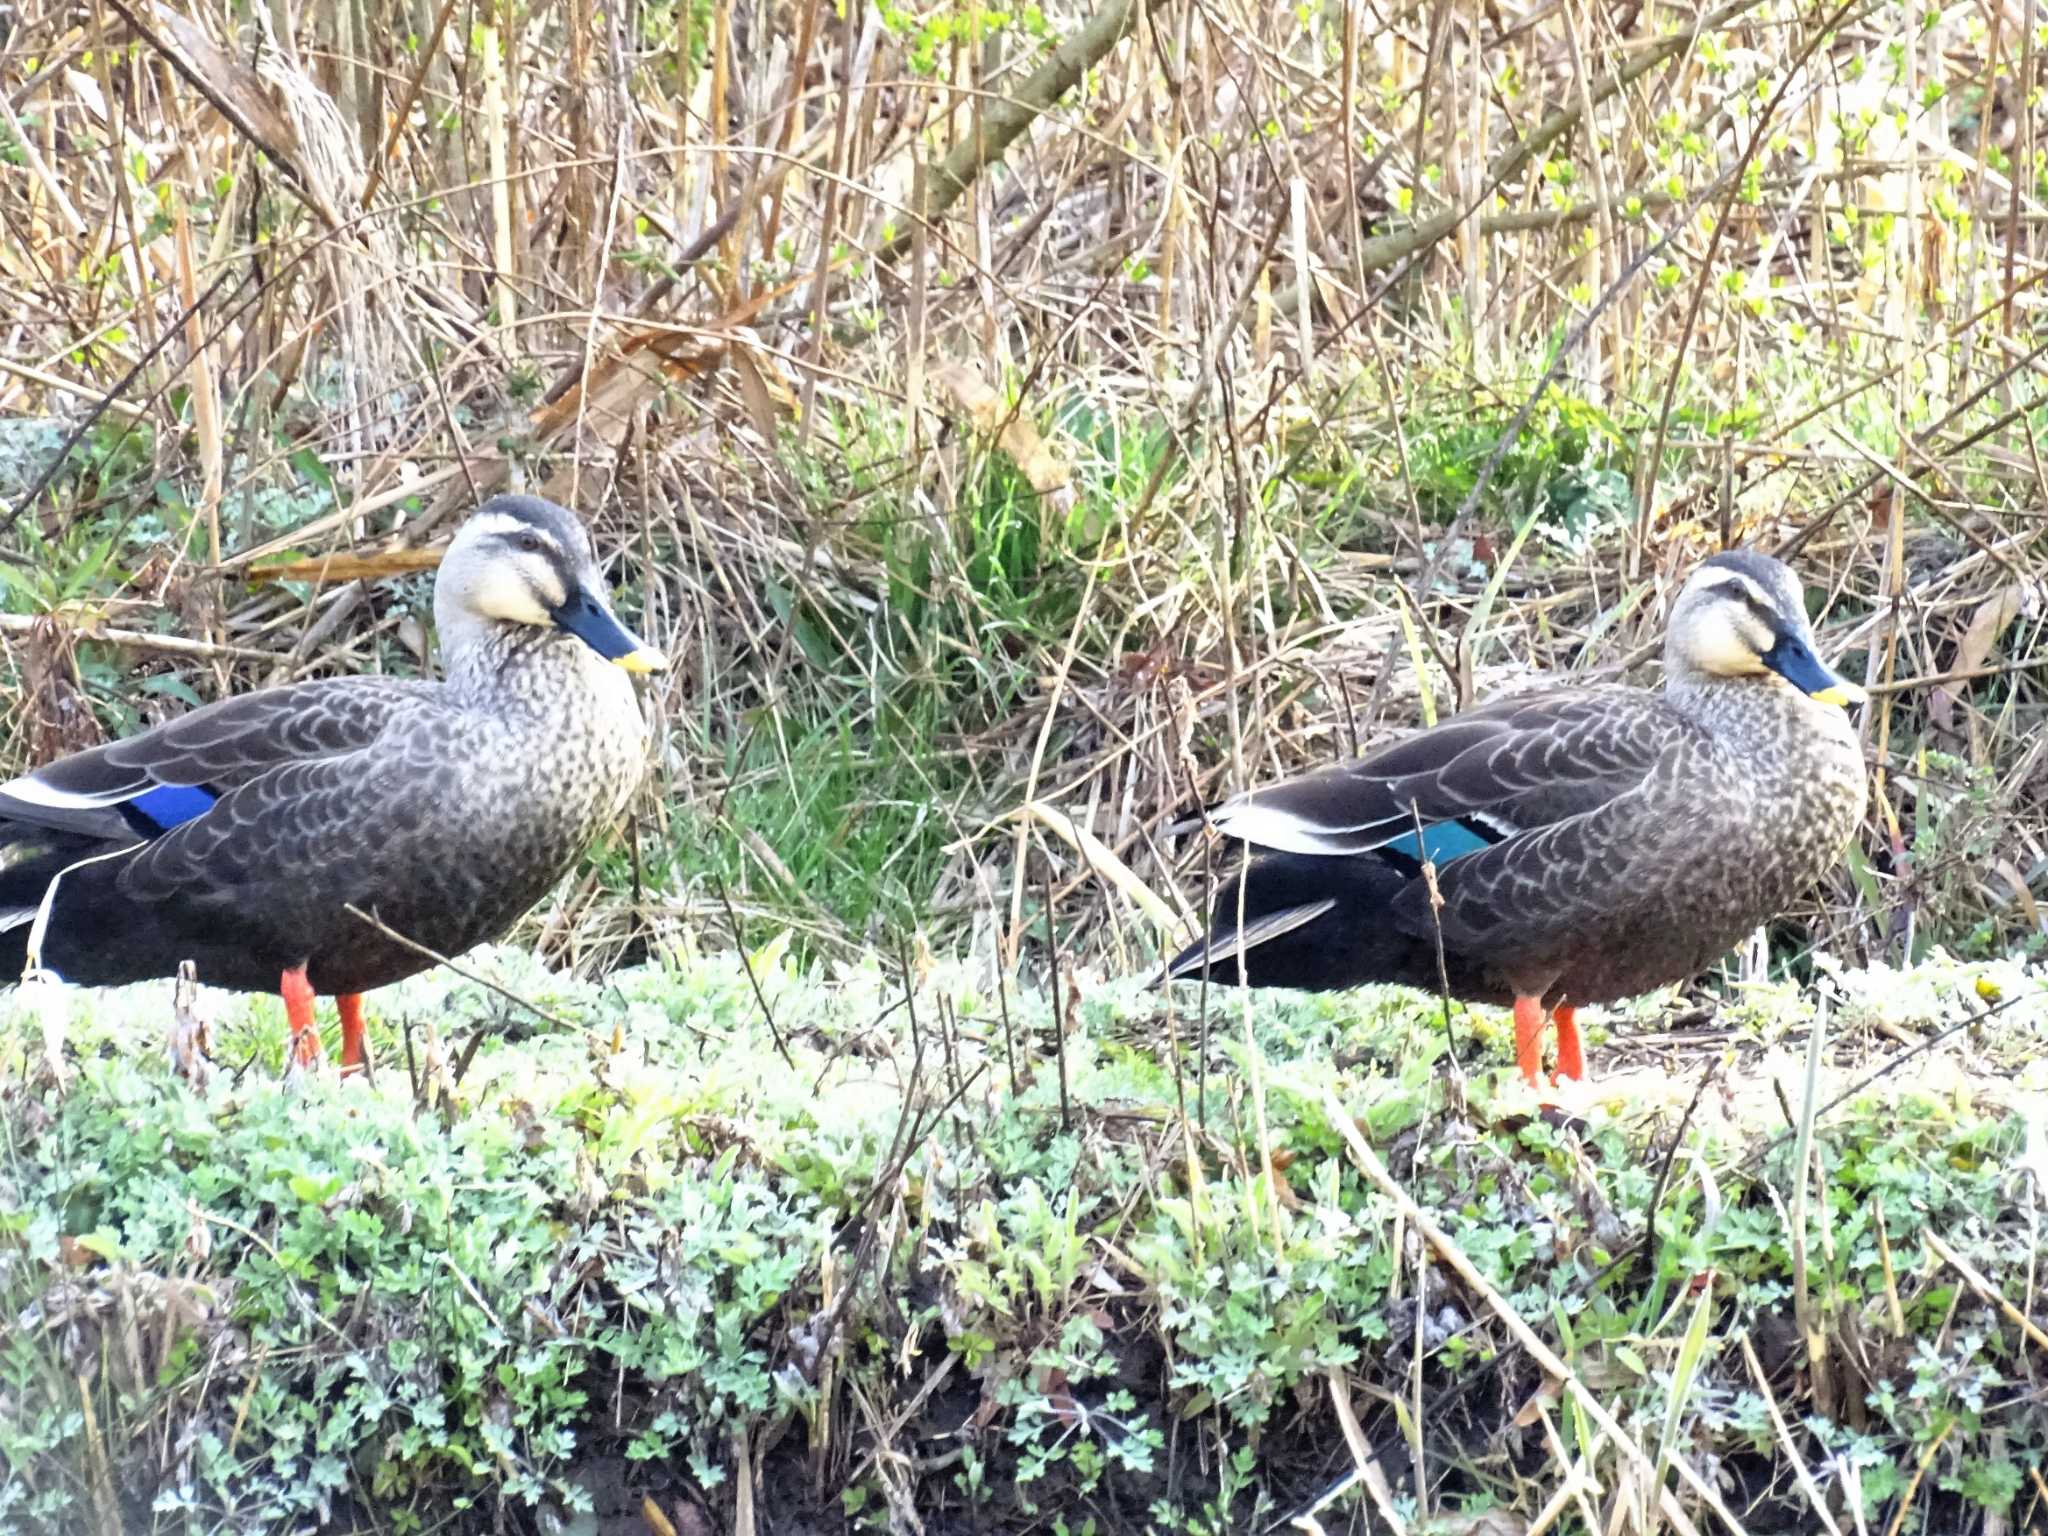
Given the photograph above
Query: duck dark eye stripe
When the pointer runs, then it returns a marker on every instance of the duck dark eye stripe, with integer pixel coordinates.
(523, 542)
(527, 534)
(1742, 594)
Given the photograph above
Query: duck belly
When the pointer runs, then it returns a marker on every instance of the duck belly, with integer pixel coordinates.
(467, 879)
(1675, 930)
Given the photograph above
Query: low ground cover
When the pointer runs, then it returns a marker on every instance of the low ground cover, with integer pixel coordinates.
(738, 1244)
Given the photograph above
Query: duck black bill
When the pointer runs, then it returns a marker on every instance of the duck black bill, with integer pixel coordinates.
(592, 622)
(1792, 659)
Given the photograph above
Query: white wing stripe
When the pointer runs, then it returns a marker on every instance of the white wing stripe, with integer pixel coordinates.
(31, 790)
(1266, 826)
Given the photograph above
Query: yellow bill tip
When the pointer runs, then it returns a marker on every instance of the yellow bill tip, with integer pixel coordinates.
(1842, 692)
(645, 659)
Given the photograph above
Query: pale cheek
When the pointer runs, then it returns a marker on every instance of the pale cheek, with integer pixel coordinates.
(502, 597)
(1722, 651)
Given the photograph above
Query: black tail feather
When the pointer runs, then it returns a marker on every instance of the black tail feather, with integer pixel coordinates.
(1315, 922)
(30, 858)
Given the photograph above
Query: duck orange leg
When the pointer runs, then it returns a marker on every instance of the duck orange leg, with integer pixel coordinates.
(1571, 1059)
(355, 1055)
(1529, 1039)
(298, 1011)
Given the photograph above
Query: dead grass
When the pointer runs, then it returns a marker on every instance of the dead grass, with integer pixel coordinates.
(1175, 453)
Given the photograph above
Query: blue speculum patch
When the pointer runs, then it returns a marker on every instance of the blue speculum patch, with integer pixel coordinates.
(1441, 842)
(172, 805)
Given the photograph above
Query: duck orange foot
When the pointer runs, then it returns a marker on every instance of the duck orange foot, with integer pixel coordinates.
(355, 1049)
(304, 1053)
(1571, 1056)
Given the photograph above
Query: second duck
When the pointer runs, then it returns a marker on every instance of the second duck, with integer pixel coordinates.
(1590, 843)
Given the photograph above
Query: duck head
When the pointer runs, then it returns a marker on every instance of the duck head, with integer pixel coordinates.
(1743, 614)
(520, 560)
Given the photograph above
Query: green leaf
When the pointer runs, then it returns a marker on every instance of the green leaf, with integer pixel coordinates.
(170, 685)
(316, 1191)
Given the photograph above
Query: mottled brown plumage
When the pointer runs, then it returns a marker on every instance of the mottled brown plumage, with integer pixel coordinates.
(241, 833)
(1591, 843)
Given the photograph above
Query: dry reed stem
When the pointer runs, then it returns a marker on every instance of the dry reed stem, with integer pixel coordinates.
(1800, 1471)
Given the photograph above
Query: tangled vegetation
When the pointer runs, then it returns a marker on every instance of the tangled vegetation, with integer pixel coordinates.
(1021, 426)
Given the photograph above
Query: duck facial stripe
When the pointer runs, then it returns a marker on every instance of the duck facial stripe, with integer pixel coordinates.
(1744, 591)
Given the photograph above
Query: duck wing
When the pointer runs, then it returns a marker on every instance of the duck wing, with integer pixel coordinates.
(331, 814)
(1491, 774)
(143, 786)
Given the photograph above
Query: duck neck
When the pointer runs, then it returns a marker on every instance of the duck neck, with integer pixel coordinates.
(1761, 718)
(511, 663)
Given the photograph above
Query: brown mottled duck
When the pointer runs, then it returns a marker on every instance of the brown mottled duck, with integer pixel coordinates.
(238, 836)
(1590, 843)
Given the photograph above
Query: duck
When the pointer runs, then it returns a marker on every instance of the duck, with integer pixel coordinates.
(238, 836)
(1586, 843)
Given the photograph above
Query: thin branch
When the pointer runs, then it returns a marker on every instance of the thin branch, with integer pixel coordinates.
(1006, 117)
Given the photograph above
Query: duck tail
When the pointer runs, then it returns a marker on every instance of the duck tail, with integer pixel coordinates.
(31, 857)
(1317, 922)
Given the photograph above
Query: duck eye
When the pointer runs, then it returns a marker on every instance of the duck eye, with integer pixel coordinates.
(529, 543)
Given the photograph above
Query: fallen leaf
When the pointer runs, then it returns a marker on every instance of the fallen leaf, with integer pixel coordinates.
(1277, 1163)
(198, 1233)
(754, 391)
(1014, 434)
(1987, 625)
(631, 370)
(1546, 1396)
(1980, 638)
